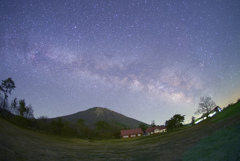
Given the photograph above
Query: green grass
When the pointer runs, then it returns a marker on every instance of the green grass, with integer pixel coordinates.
(222, 130)
(227, 112)
(222, 145)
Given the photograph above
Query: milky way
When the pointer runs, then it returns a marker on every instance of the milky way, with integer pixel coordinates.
(145, 59)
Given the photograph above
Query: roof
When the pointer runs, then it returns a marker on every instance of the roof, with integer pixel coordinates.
(151, 129)
(217, 108)
(131, 131)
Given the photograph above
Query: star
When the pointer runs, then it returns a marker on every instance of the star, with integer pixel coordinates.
(146, 59)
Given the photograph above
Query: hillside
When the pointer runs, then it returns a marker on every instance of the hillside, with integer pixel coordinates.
(92, 115)
(213, 139)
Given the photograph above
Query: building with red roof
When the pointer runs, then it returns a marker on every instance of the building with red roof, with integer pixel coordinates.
(131, 133)
(156, 129)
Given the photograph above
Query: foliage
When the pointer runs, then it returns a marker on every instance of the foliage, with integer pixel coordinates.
(22, 115)
(14, 105)
(205, 106)
(42, 123)
(56, 126)
(102, 125)
(238, 100)
(175, 122)
(155, 147)
(24, 111)
(153, 123)
(68, 130)
(21, 121)
(29, 112)
(22, 107)
(16, 108)
(81, 122)
(6, 87)
(193, 121)
(143, 126)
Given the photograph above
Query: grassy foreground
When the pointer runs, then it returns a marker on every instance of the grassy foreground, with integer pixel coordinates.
(214, 139)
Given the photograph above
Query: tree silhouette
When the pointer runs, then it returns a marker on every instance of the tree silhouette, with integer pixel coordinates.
(143, 126)
(205, 106)
(175, 122)
(14, 106)
(81, 122)
(22, 107)
(6, 87)
(102, 125)
(29, 112)
(57, 126)
(153, 123)
(25, 111)
(193, 121)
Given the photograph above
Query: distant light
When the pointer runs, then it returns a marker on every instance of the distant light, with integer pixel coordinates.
(212, 114)
(198, 121)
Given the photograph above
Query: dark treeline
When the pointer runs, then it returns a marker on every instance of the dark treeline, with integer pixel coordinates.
(79, 129)
(175, 122)
(59, 127)
(22, 115)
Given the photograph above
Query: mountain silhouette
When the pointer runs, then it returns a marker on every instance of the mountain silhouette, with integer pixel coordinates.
(95, 114)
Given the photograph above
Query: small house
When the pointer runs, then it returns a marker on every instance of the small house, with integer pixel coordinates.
(211, 114)
(131, 133)
(155, 130)
(214, 111)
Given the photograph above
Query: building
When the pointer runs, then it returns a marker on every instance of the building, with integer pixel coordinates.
(131, 133)
(214, 111)
(155, 130)
(211, 114)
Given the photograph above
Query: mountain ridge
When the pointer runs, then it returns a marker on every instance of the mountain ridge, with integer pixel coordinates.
(94, 114)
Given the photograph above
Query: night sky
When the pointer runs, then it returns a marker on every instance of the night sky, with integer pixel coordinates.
(145, 59)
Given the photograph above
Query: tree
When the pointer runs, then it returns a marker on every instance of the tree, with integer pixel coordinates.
(238, 100)
(6, 87)
(82, 129)
(143, 126)
(25, 111)
(43, 123)
(102, 125)
(22, 107)
(153, 123)
(193, 121)
(175, 122)
(205, 106)
(81, 122)
(29, 112)
(56, 126)
(1, 100)
(14, 106)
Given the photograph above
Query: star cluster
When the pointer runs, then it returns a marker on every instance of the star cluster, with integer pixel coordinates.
(145, 59)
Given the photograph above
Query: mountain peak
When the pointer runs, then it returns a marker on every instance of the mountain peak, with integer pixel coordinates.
(92, 115)
(97, 108)
(99, 111)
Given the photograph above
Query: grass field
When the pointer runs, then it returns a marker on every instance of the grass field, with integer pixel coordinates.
(215, 139)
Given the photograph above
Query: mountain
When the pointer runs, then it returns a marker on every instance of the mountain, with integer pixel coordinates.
(92, 115)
